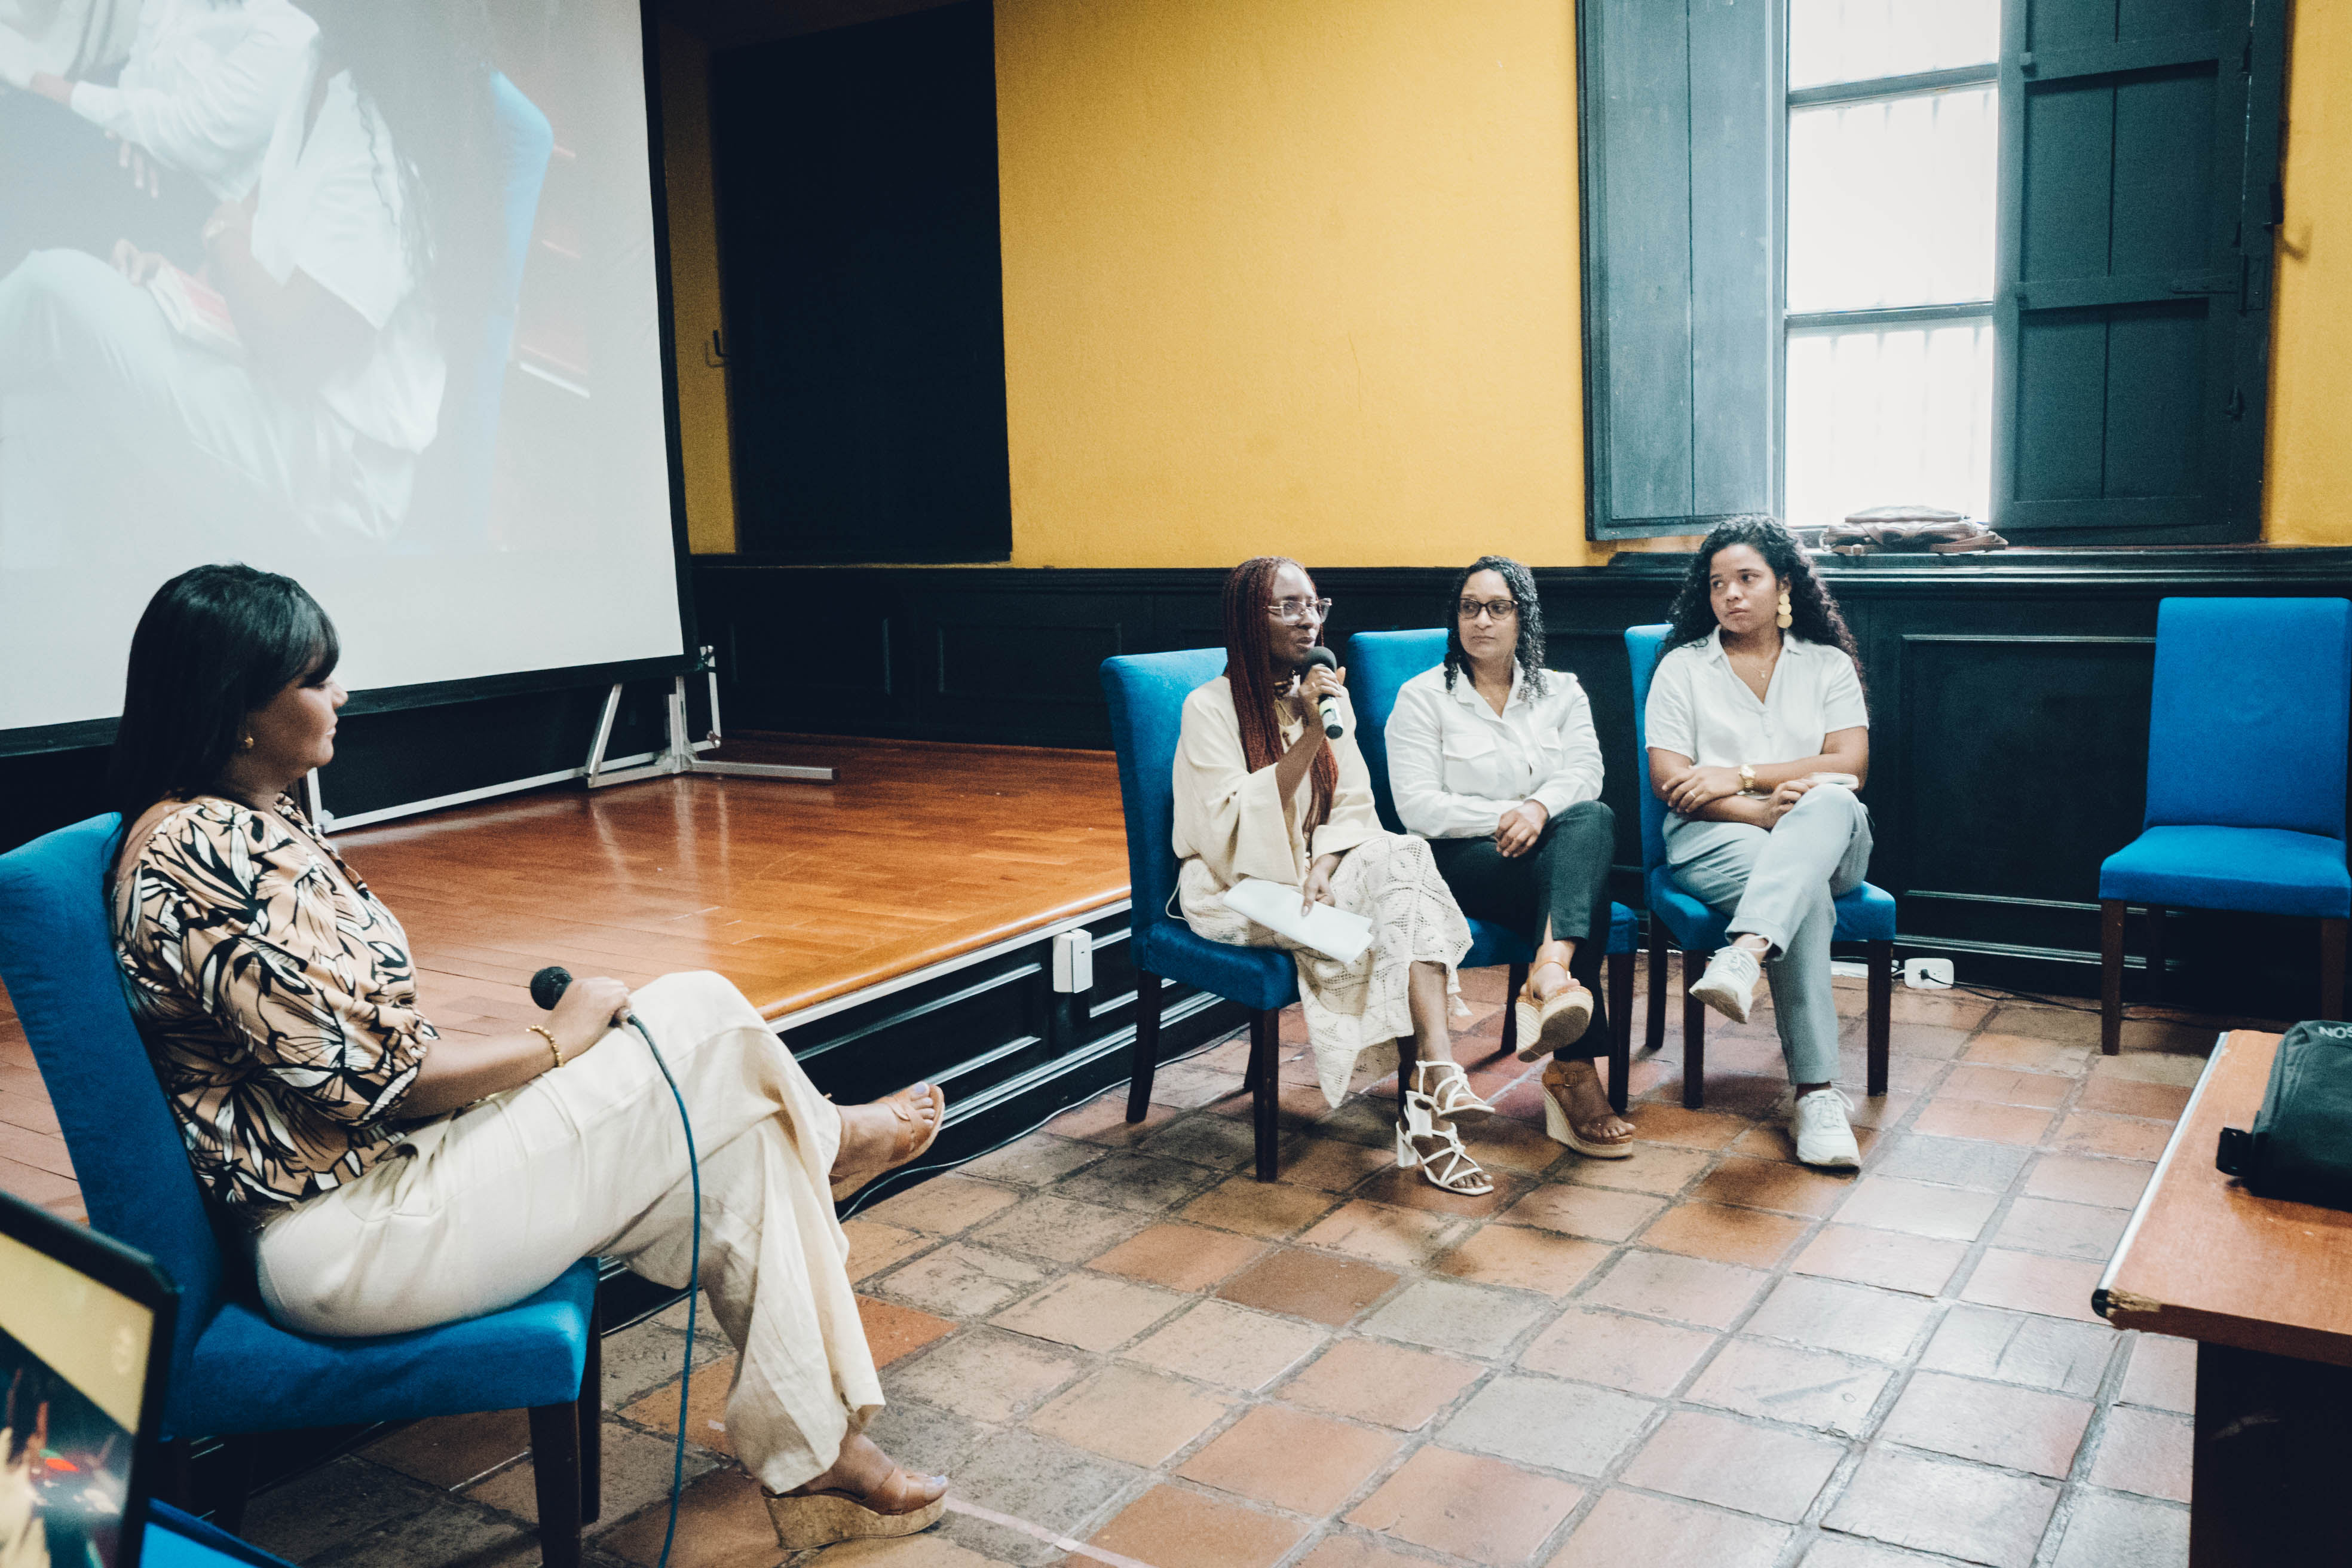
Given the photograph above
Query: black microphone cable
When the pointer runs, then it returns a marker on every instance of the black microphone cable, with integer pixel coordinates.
(547, 988)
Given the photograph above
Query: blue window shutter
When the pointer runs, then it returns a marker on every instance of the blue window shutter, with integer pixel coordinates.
(1682, 127)
(2140, 161)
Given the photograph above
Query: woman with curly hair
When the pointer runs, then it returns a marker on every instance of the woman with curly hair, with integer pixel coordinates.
(1758, 736)
(1493, 761)
(1262, 793)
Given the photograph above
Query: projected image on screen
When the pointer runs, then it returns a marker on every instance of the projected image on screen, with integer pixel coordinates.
(360, 290)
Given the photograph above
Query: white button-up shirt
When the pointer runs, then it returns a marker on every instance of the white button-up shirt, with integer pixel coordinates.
(205, 86)
(1455, 765)
(1700, 709)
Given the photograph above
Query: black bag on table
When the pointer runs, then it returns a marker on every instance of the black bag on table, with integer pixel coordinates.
(2301, 1145)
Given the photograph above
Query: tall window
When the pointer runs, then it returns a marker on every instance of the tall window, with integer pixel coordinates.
(1893, 143)
(2008, 257)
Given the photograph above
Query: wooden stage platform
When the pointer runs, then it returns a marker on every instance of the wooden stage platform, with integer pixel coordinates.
(897, 924)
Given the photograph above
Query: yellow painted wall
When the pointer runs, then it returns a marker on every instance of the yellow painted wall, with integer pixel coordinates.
(693, 290)
(1301, 275)
(2307, 494)
(1293, 276)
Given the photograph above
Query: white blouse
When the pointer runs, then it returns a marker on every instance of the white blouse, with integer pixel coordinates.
(1700, 709)
(205, 87)
(1455, 765)
(1234, 822)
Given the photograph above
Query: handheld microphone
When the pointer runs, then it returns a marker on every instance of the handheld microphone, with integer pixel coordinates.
(1328, 707)
(547, 988)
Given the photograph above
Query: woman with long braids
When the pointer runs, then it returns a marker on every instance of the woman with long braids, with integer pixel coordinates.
(1493, 760)
(1758, 736)
(1260, 792)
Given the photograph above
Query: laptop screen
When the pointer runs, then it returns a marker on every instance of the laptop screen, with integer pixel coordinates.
(79, 1327)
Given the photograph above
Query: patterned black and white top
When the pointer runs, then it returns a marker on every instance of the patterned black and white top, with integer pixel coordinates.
(276, 997)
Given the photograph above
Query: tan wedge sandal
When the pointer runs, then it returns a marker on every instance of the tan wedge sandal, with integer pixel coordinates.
(1560, 1020)
(1562, 1125)
(899, 1506)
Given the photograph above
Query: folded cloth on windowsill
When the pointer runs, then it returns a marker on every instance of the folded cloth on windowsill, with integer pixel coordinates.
(1925, 529)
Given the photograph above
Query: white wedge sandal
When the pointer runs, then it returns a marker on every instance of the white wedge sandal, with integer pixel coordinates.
(1437, 1152)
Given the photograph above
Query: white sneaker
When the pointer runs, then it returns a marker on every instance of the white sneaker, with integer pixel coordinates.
(1729, 984)
(1824, 1137)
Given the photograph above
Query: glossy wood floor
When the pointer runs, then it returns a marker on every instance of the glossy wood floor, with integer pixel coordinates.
(797, 892)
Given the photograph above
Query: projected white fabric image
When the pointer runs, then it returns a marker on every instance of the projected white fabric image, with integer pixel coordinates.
(353, 289)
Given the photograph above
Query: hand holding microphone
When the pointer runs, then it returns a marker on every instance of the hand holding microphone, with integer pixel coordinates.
(585, 1010)
(1322, 683)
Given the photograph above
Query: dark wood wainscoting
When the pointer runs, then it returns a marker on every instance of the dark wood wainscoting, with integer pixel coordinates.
(2010, 695)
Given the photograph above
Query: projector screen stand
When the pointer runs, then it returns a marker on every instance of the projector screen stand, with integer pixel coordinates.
(682, 754)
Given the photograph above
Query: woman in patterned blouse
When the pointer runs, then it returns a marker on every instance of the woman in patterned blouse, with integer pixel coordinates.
(396, 1178)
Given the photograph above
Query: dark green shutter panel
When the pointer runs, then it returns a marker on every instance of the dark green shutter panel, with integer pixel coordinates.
(1682, 127)
(2139, 148)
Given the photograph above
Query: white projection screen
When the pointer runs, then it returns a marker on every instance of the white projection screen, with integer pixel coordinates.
(365, 292)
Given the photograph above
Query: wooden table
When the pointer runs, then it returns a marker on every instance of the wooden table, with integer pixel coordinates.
(2265, 1289)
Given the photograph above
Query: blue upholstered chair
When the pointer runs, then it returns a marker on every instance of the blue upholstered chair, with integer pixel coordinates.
(1379, 663)
(1865, 915)
(232, 1370)
(2246, 740)
(1147, 694)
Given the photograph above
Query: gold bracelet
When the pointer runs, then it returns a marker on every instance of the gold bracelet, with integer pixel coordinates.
(551, 1049)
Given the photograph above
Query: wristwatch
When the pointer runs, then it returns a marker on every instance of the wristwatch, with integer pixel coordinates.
(1747, 778)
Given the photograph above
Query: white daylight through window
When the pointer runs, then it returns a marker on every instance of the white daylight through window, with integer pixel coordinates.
(1893, 140)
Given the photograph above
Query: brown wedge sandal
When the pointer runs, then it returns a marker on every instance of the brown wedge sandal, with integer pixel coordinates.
(1580, 1136)
(913, 1137)
(901, 1505)
(1561, 1018)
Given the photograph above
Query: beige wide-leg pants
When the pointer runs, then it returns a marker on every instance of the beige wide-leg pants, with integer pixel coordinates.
(482, 1209)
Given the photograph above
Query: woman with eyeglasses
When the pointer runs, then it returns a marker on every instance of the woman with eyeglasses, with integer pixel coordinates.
(1492, 758)
(1758, 735)
(1262, 793)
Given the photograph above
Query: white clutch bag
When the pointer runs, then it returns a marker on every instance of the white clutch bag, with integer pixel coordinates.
(1329, 931)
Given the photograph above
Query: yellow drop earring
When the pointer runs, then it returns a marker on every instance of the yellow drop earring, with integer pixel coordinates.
(1787, 617)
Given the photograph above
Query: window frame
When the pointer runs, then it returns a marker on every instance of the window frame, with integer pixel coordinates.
(2227, 508)
(1912, 84)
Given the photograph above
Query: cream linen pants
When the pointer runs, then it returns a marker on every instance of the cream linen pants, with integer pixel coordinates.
(487, 1206)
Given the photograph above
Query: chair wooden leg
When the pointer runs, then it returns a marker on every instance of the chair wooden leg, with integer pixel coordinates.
(1879, 1021)
(555, 1466)
(591, 1415)
(1146, 1044)
(2111, 974)
(1653, 1032)
(2331, 968)
(1265, 1093)
(1510, 1011)
(2156, 952)
(1620, 1029)
(236, 1472)
(1693, 1033)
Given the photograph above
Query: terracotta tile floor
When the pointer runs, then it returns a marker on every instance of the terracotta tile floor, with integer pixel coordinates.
(1127, 1351)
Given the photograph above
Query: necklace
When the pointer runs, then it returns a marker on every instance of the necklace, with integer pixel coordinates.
(1761, 682)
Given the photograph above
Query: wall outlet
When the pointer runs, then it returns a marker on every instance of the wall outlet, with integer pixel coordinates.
(1928, 973)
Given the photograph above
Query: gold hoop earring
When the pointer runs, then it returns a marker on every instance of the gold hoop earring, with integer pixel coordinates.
(1787, 617)
(245, 744)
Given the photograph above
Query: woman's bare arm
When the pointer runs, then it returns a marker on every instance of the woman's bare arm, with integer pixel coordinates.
(459, 1071)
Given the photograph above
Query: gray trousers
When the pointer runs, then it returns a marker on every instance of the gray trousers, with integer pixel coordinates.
(1779, 885)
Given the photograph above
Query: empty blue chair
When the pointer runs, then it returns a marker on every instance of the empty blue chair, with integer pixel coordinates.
(232, 1370)
(1147, 694)
(2246, 740)
(1865, 915)
(1379, 663)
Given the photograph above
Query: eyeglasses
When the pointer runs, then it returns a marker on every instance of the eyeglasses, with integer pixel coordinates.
(1294, 612)
(1500, 609)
